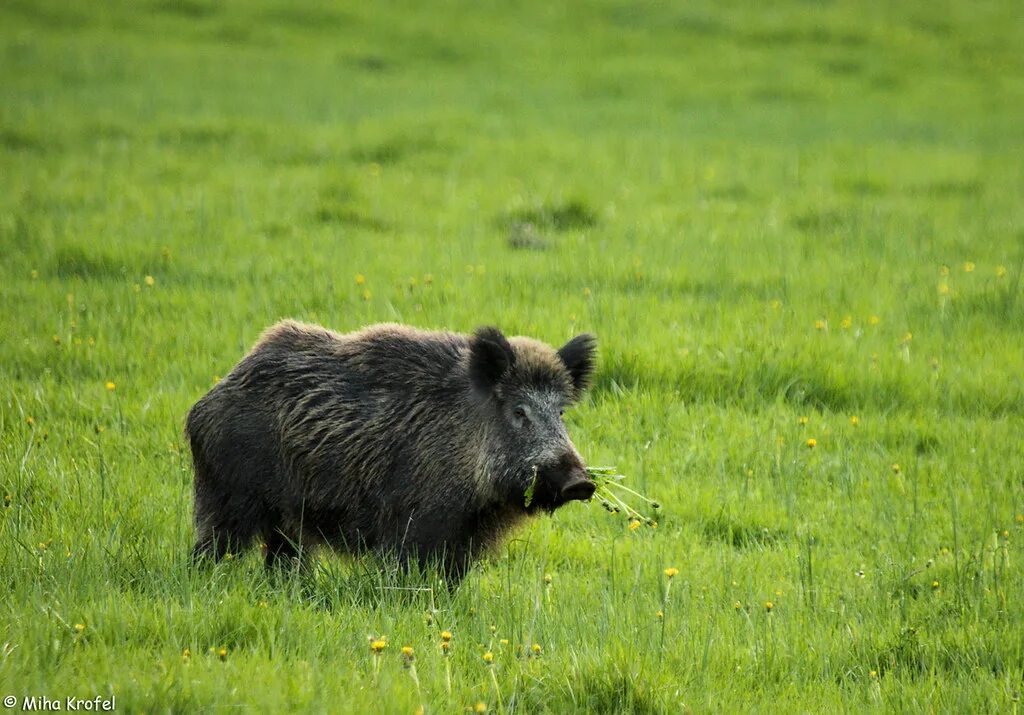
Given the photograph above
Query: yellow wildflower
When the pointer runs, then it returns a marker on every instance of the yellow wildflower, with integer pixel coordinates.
(150, 281)
(360, 279)
(969, 267)
(768, 606)
(110, 386)
(671, 572)
(1000, 271)
(854, 420)
(812, 443)
(488, 658)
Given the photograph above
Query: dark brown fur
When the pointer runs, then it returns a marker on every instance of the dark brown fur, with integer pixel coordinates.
(391, 438)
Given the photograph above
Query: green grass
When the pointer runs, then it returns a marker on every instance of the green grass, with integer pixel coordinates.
(700, 185)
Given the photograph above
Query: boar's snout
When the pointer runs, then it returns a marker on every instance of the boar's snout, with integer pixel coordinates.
(581, 488)
(567, 480)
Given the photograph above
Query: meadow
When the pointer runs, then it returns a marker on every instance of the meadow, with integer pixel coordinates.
(796, 230)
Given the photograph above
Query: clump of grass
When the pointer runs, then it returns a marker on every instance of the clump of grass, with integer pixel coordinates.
(611, 493)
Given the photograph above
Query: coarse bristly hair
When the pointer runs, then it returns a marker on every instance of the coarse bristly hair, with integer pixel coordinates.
(392, 438)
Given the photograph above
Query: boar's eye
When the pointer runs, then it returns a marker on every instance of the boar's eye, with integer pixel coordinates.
(519, 413)
(561, 411)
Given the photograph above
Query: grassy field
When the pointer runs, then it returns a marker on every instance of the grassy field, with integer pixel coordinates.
(788, 227)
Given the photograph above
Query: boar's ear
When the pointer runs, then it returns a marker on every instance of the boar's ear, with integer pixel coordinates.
(579, 357)
(490, 357)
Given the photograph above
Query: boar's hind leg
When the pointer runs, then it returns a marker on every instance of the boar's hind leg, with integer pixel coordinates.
(223, 525)
(438, 544)
(229, 511)
(455, 568)
(282, 549)
(451, 559)
(210, 545)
